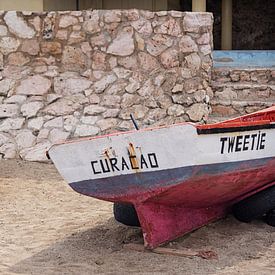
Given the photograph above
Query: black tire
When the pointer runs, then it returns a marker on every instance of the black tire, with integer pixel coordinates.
(270, 218)
(255, 206)
(125, 213)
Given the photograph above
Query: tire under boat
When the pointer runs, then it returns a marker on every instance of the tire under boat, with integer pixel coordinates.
(178, 177)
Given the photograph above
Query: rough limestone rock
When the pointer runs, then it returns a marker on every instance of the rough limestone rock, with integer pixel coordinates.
(158, 44)
(195, 22)
(133, 86)
(205, 49)
(90, 120)
(8, 45)
(73, 59)
(176, 110)
(62, 35)
(111, 113)
(227, 94)
(170, 58)
(57, 135)
(129, 100)
(67, 20)
(20, 99)
(18, 59)
(198, 111)
(193, 62)
(102, 84)
(70, 123)
(8, 150)
(123, 44)
(11, 124)
(54, 123)
(43, 135)
(187, 44)
(34, 85)
(204, 39)
(147, 89)
(77, 37)
(1, 60)
(99, 60)
(122, 73)
(67, 86)
(82, 73)
(18, 26)
(36, 23)
(31, 109)
(4, 138)
(111, 100)
(139, 111)
(128, 62)
(200, 96)
(99, 39)
(6, 85)
(148, 62)
(36, 123)
(8, 110)
(86, 130)
(170, 27)
(92, 24)
(192, 84)
(94, 110)
(177, 89)
(112, 16)
(25, 139)
(37, 152)
(63, 106)
(143, 26)
(3, 30)
(182, 99)
(51, 47)
(108, 123)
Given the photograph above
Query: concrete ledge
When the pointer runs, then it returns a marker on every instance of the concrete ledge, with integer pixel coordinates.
(244, 59)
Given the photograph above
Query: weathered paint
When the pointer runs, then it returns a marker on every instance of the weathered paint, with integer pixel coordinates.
(178, 177)
(244, 59)
(167, 183)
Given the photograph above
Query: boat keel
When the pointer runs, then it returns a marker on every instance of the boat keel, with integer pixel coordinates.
(161, 223)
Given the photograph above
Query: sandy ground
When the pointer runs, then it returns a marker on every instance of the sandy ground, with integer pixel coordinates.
(46, 228)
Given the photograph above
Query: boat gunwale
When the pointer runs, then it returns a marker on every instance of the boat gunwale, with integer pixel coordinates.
(233, 125)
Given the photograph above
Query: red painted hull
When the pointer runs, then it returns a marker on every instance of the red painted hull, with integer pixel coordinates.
(167, 212)
(188, 206)
(193, 176)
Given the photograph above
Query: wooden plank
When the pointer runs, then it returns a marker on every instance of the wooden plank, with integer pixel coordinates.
(160, 5)
(174, 5)
(134, 4)
(99, 4)
(19, 5)
(90, 4)
(174, 252)
(61, 5)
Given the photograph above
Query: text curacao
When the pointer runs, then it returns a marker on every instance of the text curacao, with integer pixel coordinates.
(117, 164)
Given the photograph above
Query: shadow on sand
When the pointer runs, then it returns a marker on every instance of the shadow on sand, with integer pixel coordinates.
(24, 170)
(100, 250)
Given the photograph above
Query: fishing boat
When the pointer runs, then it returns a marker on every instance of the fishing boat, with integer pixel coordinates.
(178, 177)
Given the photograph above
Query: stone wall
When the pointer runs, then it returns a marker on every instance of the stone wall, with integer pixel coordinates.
(241, 91)
(81, 73)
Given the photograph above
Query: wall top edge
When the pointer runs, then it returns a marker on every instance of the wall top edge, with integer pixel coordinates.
(159, 13)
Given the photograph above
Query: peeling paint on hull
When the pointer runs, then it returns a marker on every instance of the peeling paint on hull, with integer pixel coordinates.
(225, 177)
(178, 177)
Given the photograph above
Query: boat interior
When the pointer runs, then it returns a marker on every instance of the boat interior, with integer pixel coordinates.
(263, 117)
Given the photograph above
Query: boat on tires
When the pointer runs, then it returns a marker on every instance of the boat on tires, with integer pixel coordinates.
(178, 177)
